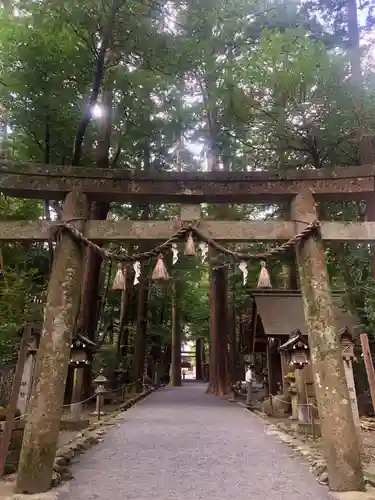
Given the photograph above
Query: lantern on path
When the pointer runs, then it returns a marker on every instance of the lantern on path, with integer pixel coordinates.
(101, 383)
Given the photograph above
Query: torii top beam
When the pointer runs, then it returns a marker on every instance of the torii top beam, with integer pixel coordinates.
(54, 182)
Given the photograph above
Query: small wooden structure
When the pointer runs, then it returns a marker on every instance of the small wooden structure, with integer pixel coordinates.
(274, 315)
(292, 370)
(81, 350)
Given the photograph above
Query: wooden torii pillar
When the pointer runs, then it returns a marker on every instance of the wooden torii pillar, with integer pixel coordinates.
(199, 347)
(341, 446)
(219, 383)
(45, 408)
(175, 379)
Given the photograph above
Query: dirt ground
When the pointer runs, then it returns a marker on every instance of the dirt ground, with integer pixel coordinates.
(66, 436)
(367, 425)
(183, 443)
(368, 439)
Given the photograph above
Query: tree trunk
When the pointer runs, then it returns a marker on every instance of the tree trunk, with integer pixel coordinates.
(99, 211)
(340, 442)
(219, 376)
(90, 303)
(176, 337)
(45, 407)
(123, 332)
(166, 361)
(290, 278)
(365, 137)
(141, 328)
(90, 307)
(89, 311)
(233, 334)
(199, 359)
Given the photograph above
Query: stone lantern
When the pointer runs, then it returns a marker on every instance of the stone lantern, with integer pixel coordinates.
(101, 384)
(296, 351)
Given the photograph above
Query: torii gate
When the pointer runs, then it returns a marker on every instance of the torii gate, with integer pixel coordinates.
(79, 186)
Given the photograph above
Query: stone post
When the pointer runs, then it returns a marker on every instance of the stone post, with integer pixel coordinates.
(285, 369)
(62, 306)
(294, 400)
(300, 378)
(27, 376)
(249, 393)
(26, 383)
(348, 366)
(341, 447)
(156, 374)
(367, 358)
(12, 403)
(76, 408)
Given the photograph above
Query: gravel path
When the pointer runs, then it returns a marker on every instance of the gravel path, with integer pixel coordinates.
(181, 444)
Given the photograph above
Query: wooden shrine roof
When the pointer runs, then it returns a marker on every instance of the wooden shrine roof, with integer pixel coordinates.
(282, 313)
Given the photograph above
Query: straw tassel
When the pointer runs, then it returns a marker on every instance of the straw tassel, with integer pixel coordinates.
(119, 281)
(190, 246)
(264, 280)
(160, 272)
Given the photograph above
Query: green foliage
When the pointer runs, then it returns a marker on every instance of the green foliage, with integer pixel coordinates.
(106, 359)
(194, 84)
(24, 282)
(16, 309)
